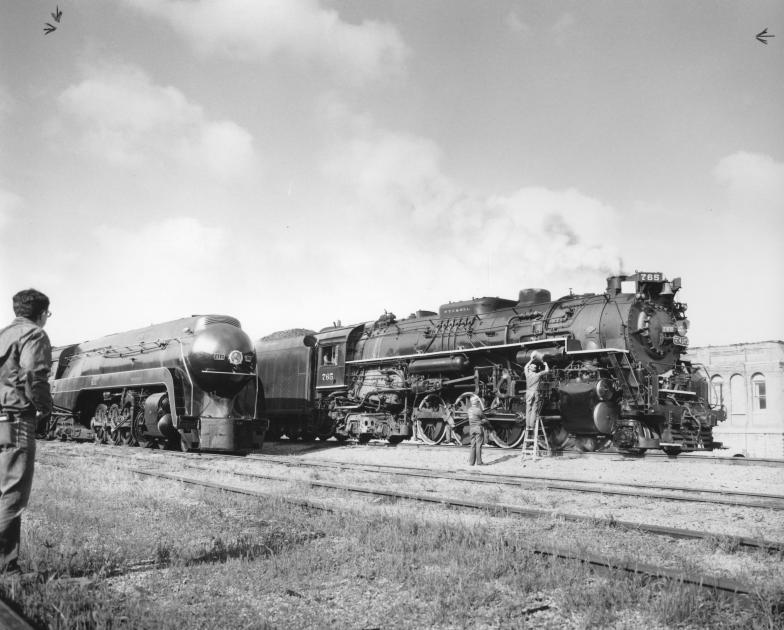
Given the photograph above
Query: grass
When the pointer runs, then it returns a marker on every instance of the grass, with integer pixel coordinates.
(161, 555)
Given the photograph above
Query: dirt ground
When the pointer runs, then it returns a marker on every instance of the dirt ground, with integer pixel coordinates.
(709, 474)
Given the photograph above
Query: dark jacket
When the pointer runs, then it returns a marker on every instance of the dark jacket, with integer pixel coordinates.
(25, 363)
(476, 420)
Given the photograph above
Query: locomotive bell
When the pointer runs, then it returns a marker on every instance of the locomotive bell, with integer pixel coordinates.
(667, 289)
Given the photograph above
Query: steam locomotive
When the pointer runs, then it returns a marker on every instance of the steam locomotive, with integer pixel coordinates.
(189, 383)
(616, 374)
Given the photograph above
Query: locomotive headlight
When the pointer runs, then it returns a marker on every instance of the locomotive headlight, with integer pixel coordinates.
(235, 357)
(682, 326)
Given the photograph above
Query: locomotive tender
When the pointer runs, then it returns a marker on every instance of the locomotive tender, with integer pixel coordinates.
(188, 383)
(616, 372)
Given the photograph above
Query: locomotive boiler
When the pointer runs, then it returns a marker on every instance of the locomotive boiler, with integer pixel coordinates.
(189, 383)
(616, 372)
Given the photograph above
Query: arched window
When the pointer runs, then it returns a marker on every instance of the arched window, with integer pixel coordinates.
(737, 399)
(717, 390)
(758, 394)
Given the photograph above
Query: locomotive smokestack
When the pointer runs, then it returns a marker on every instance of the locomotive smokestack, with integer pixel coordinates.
(613, 285)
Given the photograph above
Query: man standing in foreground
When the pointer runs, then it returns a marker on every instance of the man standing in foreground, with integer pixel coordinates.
(25, 400)
(476, 425)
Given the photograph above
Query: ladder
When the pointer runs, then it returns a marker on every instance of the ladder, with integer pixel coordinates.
(630, 385)
(531, 443)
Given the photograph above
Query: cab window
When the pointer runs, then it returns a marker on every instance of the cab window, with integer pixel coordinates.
(329, 355)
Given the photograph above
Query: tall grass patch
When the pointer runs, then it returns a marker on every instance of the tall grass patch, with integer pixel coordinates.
(157, 554)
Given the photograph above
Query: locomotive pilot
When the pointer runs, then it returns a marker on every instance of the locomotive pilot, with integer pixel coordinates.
(534, 370)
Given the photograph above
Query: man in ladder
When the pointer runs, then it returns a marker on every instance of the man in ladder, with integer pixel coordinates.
(534, 372)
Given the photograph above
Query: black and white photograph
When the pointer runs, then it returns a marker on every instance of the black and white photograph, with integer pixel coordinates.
(391, 314)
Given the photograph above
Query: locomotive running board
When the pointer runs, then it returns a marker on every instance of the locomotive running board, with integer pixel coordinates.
(597, 351)
(680, 392)
(539, 343)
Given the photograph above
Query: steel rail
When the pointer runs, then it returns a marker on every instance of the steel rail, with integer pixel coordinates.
(742, 541)
(689, 457)
(705, 581)
(682, 457)
(564, 484)
(658, 530)
(548, 483)
(716, 583)
(10, 619)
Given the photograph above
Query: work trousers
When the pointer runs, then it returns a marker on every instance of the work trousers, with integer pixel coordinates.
(477, 438)
(17, 460)
(531, 410)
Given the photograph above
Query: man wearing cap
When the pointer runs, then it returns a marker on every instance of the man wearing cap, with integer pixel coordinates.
(534, 370)
(476, 423)
(25, 400)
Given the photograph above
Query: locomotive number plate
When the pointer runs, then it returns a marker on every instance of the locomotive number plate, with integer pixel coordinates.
(678, 340)
(647, 276)
(327, 377)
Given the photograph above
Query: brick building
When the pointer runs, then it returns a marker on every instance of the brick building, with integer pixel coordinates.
(748, 378)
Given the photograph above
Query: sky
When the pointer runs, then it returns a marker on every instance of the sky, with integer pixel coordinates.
(301, 162)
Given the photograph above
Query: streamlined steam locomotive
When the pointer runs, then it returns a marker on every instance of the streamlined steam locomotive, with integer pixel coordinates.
(616, 372)
(189, 383)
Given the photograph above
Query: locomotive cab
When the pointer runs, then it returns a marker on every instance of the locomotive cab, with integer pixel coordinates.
(331, 359)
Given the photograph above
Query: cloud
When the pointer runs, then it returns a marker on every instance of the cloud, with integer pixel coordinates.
(563, 27)
(168, 241)
(15, 247)
(6, 103)
(740, 251)
(177, 261)
(256, 30)
(755, 183)
(396, 183)
(121, 116)
(516, 25)
(8, 204)
(391, 172)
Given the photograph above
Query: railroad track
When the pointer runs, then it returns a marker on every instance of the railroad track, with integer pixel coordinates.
(505, 508)
(670, 493)
(567, 484)
(690, 457)
(686, 457)
(710, 582)
(705, 581)
(492, 507)
(12, 620)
